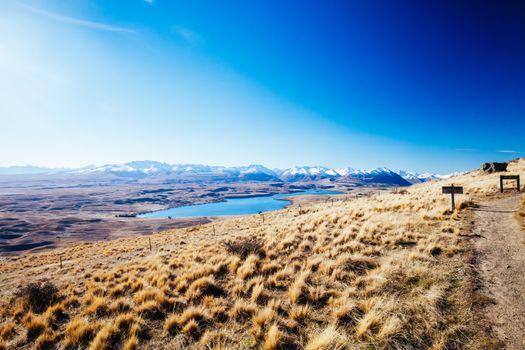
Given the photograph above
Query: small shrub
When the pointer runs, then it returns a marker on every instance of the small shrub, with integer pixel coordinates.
(39, 296)
(245, 247)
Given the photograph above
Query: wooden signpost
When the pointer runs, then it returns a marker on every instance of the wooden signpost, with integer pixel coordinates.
(509, 177)
(452, 190)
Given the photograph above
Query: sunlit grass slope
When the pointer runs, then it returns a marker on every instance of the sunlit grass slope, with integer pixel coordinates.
(383, 272)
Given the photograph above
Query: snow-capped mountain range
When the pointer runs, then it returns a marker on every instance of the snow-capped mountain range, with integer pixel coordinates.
(150, 169)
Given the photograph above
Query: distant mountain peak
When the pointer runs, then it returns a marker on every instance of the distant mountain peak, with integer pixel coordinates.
(144, 169)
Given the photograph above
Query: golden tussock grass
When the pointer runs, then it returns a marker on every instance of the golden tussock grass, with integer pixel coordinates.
(380, 272)
(327, 339)
(79, 332)
(7, 330)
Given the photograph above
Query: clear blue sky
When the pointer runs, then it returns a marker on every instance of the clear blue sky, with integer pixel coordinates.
(424, 85)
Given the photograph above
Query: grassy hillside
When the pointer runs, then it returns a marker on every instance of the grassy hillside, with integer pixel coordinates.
(385, 272)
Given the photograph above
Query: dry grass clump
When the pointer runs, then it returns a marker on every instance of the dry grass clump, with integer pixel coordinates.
(79, 333)
(327, 339)
(192, 322)
(47, 340)
(242, 311)
(377, 272)
(96, 306)
(245, 247)
(249, 267)
(204, 286)
(122, 333)
(7, 330)
(273, 339)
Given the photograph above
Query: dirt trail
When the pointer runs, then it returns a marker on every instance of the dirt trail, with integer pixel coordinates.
(500, 245)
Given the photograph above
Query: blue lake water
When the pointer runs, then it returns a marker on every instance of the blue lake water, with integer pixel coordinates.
(233, 206)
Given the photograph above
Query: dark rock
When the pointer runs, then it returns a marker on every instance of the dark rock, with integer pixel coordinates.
(489, 168)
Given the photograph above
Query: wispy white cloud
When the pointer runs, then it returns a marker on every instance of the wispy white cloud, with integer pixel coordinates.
(77, 21)
(188, 35)
(508, 151)
(149, 1)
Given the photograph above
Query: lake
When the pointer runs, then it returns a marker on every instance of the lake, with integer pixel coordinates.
(233, 206)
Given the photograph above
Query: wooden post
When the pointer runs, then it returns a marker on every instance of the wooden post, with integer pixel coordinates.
(60, 257)
(501, 184)
(149, 238)
(332, 202)
(263, 217)
(452, 190)
(453, 201)
(213, 229)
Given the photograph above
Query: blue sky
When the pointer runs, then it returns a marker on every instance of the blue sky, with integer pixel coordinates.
(429, 86)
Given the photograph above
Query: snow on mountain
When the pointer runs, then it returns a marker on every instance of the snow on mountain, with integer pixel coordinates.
(150, 167)
(344, 171)
(308, 173)
(447, 176)
(256, 168)
(415, 178)
(104, 168)
(191, 168)
(376, 175)
(257, 172)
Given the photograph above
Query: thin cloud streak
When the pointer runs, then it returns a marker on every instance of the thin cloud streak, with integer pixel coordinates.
(77, 21)
(508, 151)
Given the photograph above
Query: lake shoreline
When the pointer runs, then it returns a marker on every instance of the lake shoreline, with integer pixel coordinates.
(237, 209)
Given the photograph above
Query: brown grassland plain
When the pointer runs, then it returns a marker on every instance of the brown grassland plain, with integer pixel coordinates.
(390, 271)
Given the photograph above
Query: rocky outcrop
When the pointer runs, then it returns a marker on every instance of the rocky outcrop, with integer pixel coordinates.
(489, 168)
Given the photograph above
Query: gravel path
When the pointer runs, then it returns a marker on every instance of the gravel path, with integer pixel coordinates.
(501, 257)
